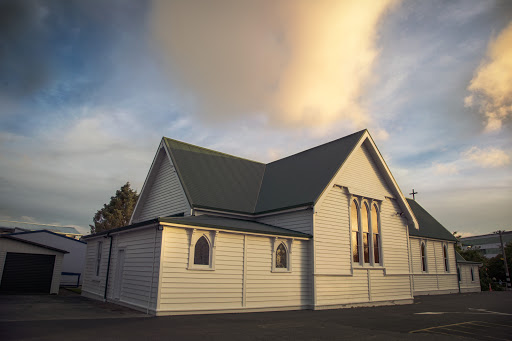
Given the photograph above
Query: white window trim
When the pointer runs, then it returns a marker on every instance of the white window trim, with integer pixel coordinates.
(370, 202)
(288, 243)
(424, 242)
(211, 237)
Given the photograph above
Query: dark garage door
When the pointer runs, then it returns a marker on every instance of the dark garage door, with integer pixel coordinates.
(27, 273)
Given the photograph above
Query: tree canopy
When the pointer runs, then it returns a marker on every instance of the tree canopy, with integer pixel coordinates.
(117, 212)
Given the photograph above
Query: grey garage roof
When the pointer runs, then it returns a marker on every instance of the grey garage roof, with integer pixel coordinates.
(32, 243)
(429, 226)
(220, 181)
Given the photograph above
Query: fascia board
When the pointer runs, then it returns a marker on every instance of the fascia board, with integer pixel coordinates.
(331, 183)
(142, 194)
(401, 198)
(168, 151)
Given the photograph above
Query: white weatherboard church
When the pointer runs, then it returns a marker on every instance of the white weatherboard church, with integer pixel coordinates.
(324, 228)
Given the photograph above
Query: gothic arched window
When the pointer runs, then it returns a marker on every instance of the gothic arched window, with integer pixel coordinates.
(376, 235)
(202, 252)
(281, 257)
(354, 221)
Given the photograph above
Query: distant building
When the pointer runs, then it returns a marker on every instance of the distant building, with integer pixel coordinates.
(488, 244)
(7, 226)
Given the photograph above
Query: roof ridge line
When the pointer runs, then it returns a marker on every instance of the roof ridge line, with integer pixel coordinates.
(315, 147)
(212, 150)
(259, 188)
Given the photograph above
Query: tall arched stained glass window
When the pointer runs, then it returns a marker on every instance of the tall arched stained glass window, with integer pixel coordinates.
(354, 221)
(281, 257)
(366, 233)
(376, 235)
(202, 252)
(423, 258)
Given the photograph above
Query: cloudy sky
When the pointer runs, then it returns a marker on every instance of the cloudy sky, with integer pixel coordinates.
(88, 88)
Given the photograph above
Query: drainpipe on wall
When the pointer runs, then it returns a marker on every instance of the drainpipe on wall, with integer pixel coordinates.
(108, 267)
(456, 265)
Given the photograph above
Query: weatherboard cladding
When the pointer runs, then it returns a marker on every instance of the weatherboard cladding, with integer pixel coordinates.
(429, 226)
(220, 181)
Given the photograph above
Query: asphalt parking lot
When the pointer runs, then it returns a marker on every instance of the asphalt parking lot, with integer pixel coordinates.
(478, 316)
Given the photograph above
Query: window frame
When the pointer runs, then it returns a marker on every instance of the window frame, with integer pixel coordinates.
(288, 244)
(211, 237)
(99, 256)
(423, 256)
(371, 204)
(446, 258)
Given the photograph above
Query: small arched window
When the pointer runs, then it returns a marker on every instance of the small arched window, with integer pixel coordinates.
(202, 252)
(376, 235)
(445, 255)
(423, 258)
(472, 275)
(354, 221)
(281, 257)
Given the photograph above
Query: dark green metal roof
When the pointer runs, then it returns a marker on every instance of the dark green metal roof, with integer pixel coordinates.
(429, 226)
(301, 178)
(220, 181)
(216, 180)
(233, 225)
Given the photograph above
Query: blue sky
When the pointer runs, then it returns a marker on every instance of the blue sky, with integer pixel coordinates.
(88, 88)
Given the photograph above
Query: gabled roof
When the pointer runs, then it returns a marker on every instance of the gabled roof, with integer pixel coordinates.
(216, 180)
(300, 179)
(429, 227)
(220, 181)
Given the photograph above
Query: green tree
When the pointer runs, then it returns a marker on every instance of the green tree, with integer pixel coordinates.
(117, 212)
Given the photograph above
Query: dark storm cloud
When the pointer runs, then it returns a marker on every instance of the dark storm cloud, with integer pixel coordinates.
(24, 63)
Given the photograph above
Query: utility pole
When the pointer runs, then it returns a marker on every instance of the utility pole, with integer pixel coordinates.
(504, 260)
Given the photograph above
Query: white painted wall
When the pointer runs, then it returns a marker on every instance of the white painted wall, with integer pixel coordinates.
(466, 284)
(242, 279)
(435, 280)
(338, 281)
(163, 194)
(300, 221)
(74, 261)
(9, 245)
(139, 286)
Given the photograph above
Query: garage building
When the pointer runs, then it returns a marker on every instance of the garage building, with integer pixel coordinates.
(29, 267)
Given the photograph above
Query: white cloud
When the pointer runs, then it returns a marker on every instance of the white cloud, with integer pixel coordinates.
(491, 86)
(487, 158)
(300, 64)
(445, 169)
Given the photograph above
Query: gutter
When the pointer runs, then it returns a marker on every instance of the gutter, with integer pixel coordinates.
(108, 266)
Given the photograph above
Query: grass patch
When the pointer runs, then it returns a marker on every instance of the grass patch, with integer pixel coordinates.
(77, 290)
